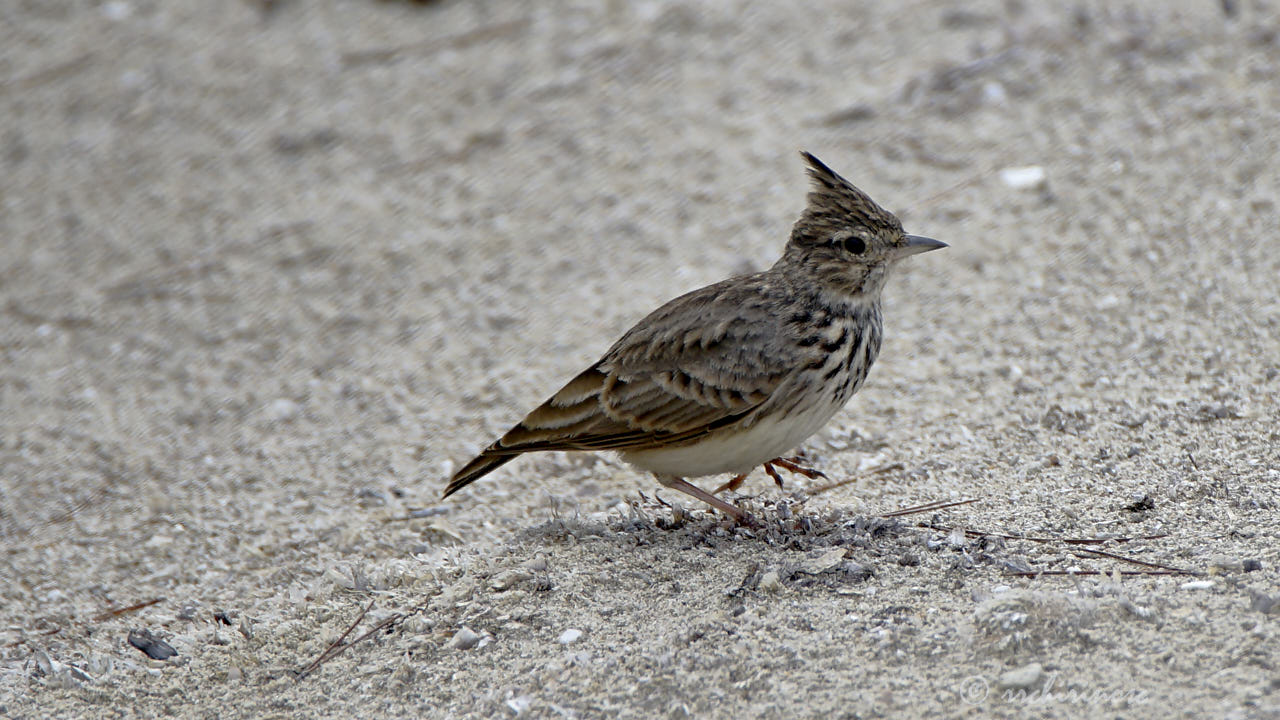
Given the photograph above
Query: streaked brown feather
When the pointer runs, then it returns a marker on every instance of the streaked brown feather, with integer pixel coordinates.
(669, 380)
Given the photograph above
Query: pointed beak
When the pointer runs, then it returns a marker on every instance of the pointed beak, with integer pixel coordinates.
(916, 244)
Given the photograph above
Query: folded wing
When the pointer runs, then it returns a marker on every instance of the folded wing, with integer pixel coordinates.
(670, 379)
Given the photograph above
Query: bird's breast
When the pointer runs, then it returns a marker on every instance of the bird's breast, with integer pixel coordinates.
(733, 449)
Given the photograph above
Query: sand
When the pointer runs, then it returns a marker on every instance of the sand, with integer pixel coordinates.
(270, 270)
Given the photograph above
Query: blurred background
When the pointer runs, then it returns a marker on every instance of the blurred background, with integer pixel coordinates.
(269, 269)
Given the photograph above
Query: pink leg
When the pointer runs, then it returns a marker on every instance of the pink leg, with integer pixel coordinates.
(732, 511)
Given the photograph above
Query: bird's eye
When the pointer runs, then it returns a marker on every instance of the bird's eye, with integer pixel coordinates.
(854, 244)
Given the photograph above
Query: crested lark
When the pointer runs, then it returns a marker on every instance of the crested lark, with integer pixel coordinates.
(735, 374)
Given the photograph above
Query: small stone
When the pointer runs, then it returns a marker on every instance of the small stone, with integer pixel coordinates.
(509, 579)
(1225, 565)
(339, 578)
(1141, 502)
(1251, 565)
(464, 639)
(826, 562)
(520, 704)
(1197, 585)
(245, 627)
(1136, 610)
(45, 665)
(282, 409)
(1263, 603)
(1031, 177)
(570, 636)
(770, 582)
(678, 516)
(1022, 678)
(855, 572)
(154, 647)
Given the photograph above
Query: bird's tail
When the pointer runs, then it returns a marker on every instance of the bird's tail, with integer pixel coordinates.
(484, 464)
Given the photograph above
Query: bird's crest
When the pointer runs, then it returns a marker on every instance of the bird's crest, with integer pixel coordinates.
(835, 202)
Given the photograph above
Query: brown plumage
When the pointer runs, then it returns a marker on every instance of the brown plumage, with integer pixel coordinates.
(734, 374)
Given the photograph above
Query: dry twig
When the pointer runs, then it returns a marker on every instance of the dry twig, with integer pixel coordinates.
(117, 612)
(337, 647)
(1126, 573)
(1067, 541)
(928, 507)
(333, 649)
(1135, 561)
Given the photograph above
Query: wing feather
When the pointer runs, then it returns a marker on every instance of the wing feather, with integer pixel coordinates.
(670, 379)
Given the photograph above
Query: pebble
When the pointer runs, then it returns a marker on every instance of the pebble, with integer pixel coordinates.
(520, 704)
(1263, 603)
(1134, 609)
(509, 579)
(770, 582)
(464, 639)
(826, 562)
(1031, 177)
(1225, 565)
(154, 647)
(1197, 585)
(282, 409)
(570, 636)
(1021, 678)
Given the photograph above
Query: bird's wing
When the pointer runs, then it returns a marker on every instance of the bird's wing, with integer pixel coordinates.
(676, 375)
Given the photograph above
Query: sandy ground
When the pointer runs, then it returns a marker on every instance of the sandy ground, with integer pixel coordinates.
(270, 269)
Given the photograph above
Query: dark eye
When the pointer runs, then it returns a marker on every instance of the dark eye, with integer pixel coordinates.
(855, 245)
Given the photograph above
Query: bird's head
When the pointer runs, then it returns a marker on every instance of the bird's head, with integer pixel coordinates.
(845, 239)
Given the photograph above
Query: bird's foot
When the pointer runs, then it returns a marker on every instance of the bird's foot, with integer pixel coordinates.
(792, 464)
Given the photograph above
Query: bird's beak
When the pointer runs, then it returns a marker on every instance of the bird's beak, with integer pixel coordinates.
(916, 244)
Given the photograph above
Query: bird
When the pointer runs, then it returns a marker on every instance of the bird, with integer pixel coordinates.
(736, 374)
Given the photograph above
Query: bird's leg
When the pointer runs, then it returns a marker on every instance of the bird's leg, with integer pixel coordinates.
(733, 484)
(729, 509)
(792, 464)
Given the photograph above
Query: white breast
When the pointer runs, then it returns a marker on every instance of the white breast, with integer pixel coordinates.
(735, 452)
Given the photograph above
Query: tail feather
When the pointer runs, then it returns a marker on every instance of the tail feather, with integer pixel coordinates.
(482, 465)
(574, 409)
